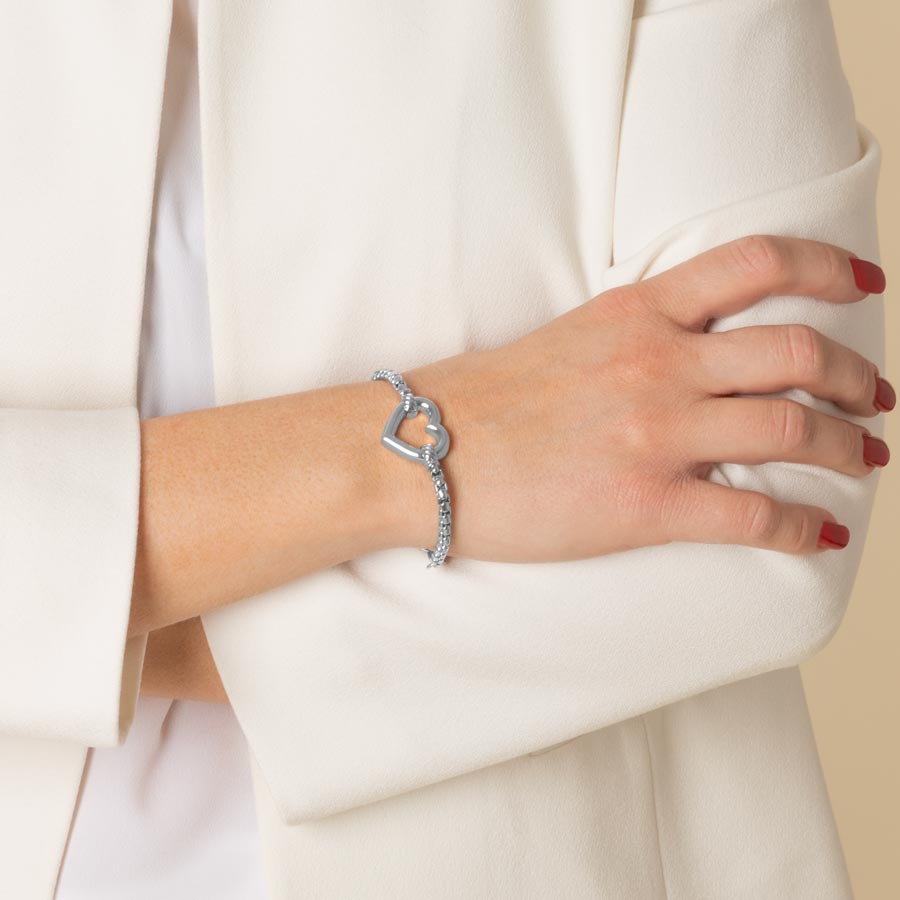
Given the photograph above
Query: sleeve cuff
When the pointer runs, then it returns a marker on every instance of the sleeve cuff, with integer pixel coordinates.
(69, 500)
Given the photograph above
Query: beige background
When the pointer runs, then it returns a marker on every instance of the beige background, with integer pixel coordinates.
(853, 683)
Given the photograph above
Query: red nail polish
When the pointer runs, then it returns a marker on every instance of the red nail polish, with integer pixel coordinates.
(885, 398)
(875, 451)
(834, 536)
(868, 276)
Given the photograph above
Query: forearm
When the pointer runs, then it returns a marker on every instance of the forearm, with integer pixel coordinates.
(238, 499)
(178, 664)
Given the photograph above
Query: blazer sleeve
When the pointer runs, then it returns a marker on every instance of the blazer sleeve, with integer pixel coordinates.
(736, 119)
(69, 493)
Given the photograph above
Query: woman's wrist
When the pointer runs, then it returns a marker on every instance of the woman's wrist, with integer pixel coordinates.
(381, 501)
(241, 498)
(439, 382)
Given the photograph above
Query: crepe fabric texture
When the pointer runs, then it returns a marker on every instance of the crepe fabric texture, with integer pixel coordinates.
(169, 814)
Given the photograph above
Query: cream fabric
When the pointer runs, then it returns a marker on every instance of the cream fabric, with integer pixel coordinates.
(385, 185)
(170, 813)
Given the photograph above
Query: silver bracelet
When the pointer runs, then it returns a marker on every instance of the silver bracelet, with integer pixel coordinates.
(428, 454)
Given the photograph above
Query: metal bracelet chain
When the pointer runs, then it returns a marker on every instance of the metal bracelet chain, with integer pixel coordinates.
(428, 454)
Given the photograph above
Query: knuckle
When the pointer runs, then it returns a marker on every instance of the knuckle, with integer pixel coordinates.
(762, 518)
(760, 255)
(806, 352)
(647, 358)
(622, 299)
(656, 294)
(828, 269)
(639, 432)
(851, 446)
(864, 380)
(632, 306)
(676, 504)
(796, 533)
(793, 424)
(638, 491)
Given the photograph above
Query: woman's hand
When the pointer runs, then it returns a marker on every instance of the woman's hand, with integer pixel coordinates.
(595, 433)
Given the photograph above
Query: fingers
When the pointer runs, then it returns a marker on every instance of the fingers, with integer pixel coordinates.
(732, 276)
(766, 359)
(751, 431)
(707, 512)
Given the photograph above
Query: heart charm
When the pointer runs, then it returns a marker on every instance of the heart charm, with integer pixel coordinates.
(434, 428)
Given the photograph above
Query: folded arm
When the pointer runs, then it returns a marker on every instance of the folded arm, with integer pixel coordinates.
(238, 499)
(737, 119)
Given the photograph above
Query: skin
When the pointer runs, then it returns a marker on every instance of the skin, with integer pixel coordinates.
(241, 498)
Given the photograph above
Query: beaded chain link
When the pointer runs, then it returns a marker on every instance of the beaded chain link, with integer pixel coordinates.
(428, 454)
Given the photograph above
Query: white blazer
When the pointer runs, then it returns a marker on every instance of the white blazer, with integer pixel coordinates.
(387, 184)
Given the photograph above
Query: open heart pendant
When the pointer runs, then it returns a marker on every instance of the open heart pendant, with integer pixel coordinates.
(434, 428)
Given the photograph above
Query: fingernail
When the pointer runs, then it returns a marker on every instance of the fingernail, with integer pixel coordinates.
(875, 451)
(885, 398)
(868, 276)
(834, 536)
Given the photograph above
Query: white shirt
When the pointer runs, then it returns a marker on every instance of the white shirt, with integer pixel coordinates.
(169, 814)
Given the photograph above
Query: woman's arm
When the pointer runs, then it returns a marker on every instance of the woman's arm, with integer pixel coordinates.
(217, 485)
(223, 518)
(240, 498)
(736, 119)
(178, 664)
(759, 135)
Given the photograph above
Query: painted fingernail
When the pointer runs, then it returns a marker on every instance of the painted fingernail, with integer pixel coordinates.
(875, 451)
(834, 536)
(885, 397)
(868, 276)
